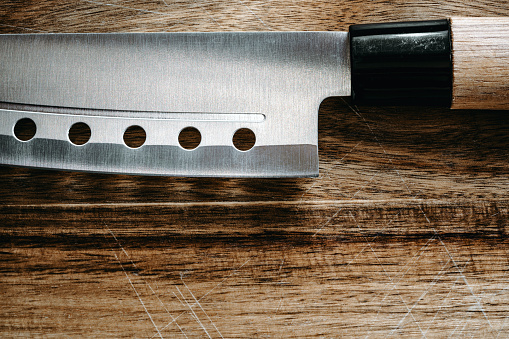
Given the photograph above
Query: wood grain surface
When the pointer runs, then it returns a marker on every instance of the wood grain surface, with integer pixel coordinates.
(404, 233)
(480, 52)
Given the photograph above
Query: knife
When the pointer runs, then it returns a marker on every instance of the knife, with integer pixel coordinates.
(237, 104)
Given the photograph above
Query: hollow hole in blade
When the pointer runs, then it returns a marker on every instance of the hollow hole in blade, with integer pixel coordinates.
(135, 136)
(189, 138)
(79, 133)
(244, 139)
(25, 129)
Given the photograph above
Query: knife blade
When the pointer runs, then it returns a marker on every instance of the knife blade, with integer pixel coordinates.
(216, 85)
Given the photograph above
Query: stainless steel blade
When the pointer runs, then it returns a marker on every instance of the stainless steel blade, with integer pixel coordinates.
(271, 83)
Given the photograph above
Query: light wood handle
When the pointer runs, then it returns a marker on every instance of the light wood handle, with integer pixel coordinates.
(480, 54)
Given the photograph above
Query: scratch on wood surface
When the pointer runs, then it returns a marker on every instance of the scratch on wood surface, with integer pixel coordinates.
(389, 160)
(406, 268)
(464, 278)
(477, 298)
(356, 111)
(139, 297)
(375, 137)
(207, 293)
(146, 283)
(132, 284)
(254, 14)
(327, 173)
(225, 278)
(321, 227)
(391, 280)
(192, 311)
(502, 327)
(280, 286)
(430, 286)
(200, 306)
(441, 306)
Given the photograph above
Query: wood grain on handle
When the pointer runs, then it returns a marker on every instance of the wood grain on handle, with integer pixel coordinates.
(480, 50)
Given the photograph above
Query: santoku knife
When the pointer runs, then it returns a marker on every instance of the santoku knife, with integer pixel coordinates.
(218, 87)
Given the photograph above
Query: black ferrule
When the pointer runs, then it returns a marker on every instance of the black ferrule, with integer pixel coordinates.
(402, 63)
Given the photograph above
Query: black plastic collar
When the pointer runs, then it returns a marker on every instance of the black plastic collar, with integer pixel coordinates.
(402, 63)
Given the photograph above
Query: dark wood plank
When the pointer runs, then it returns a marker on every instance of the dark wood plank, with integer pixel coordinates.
(404, 232)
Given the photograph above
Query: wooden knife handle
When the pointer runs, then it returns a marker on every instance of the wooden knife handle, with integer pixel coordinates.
(459, 62)
(480, 54)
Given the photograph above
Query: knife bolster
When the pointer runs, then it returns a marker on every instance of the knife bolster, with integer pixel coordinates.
(401, 63)
(480, 49)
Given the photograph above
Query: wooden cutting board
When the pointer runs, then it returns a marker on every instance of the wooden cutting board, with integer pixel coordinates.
(404, 232)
